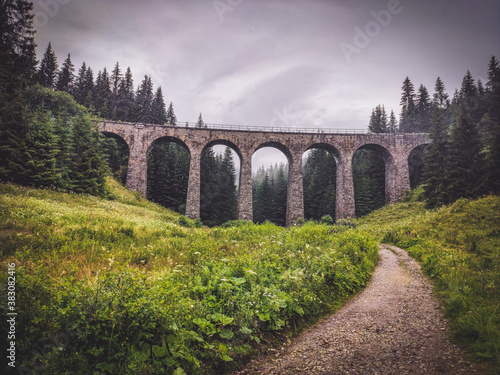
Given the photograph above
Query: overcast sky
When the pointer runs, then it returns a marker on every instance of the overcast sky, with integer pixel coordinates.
(296, 63)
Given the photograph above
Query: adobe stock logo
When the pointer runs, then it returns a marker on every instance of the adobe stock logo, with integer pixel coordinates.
(48, 9)
(372, 29)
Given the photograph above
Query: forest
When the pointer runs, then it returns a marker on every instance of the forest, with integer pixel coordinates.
(49, 139)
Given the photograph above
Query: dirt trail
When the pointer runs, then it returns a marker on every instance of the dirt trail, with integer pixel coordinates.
(394, 326)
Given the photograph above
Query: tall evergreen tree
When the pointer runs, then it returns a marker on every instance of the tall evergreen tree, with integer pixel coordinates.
(84, 91)
(464, 158)
(200, 123)
(392, 126)
(491, 125)
(378, 120)
(158, 110)
(408, 109)
(66, 76)
(115, 81)
(102, 96)
(423, 110)
(47, 71)
(17, 68)
(440, 98)
(144, 101)
(227, 197)
(171, 118)
(126, 98)
(435, 160)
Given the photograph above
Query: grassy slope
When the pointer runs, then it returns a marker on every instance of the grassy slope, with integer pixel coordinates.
(459, 248)
(125, 286)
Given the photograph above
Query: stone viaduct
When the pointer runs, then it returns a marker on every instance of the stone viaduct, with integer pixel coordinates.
(395, 149)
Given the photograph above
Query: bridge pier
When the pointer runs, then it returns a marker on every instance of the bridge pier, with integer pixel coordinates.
(245, 198)
(193, 191)
(137, 172)
(295, 196)
(344, 202)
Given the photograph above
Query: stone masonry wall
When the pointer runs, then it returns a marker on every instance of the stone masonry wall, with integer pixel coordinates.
(395, 148)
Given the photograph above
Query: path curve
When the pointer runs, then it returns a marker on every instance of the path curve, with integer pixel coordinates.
(394, 326)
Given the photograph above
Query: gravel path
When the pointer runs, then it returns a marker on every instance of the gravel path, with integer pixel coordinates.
(393, 327)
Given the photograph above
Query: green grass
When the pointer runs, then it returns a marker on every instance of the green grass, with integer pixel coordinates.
(459, 249)
(123, 286)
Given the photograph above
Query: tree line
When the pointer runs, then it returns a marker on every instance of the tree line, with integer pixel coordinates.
(46, 138)
(463, 160)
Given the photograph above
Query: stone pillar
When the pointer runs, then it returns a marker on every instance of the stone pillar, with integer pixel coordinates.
(397, 178)
(295, 196)
(344, 203)
(137, 172)
(193, 192)
(245, 199)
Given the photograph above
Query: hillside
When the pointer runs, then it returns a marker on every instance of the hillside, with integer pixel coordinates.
(459, 248)
(121, 285)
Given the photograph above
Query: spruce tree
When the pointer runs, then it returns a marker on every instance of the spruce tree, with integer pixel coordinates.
(47, 71)
(115, 81)
(440, 98)
(102, 97)
(378, 120)
(408, 109)
(423, 110)
(88, 160)
(171, 118)
(227, 197)
(17, 69)
(435, 161)
(126, 98)
(464, 158)
(158, 110)
(144, 101)
(200, 123)
(66, 76)
(392, 126)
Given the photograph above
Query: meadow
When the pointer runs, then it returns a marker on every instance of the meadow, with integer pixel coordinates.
(123, 286)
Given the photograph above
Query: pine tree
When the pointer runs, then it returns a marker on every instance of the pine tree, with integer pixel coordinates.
(209, 188)
(102, 98)
(84, 91)
(17, 69)
(48, 68)
(158, 111)
(66, 76)
(464, 159)
(392, 126)
(378, 120)
(423, 110)
(88, 161)
(115, 81)
(40, 167)
(200, 123)
(435, 160)
(407, 120)
(491, 125)
(227, 197)
(144, 101)
(171, 118)
(126, 98)
(440, 98)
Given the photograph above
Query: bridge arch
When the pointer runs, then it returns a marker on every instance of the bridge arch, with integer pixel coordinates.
(320, 176)
(248, 139)
(416, 165)
(118, 152)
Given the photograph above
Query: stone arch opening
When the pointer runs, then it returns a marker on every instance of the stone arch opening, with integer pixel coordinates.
(117, 155)
(416, 165)
(220, 167)
(270, 179)
(371, 165)
(168, 162)
(319, 173)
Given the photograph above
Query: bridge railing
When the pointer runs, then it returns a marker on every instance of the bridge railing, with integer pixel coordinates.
(251, 128)
(267, 129)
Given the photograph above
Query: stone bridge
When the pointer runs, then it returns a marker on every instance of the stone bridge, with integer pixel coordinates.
(395, 148)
